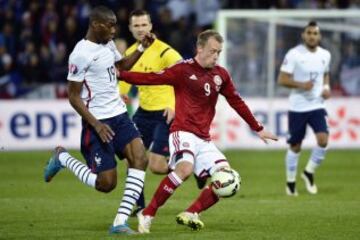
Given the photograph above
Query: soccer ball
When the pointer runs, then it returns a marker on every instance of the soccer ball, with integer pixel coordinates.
(225, 182)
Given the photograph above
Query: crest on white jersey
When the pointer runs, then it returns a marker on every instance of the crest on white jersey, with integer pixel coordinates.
(193, 77)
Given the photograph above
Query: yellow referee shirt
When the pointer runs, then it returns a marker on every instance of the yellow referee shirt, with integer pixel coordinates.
(155, 58)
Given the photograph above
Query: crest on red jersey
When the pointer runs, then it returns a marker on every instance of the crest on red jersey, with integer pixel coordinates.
(186, 144)
(217, 80)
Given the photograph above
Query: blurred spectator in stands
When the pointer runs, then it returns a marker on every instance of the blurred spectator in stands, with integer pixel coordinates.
(241, 4)
(180, 9)
(59, 70)
(321, 4)
(350, 70)
(49, 15)
(5, 60)
(8, 81)
(46, 60)
(83, 8)
(284, 4)
(165, 25)
(51, 35)
(30, 24)
(29, 64)
(8, 38)
(122, 24)
(153, 7)
(183, 38)
(71, 34)
(206, 12)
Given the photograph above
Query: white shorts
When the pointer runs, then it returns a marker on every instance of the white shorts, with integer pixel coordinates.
(206, 157)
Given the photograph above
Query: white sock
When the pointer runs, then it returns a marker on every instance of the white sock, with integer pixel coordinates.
(133, 188)
(291, 162)
(78, 168)
(317, 156)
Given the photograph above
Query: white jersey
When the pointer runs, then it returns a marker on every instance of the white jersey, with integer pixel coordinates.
(305, 65)
(94, 65)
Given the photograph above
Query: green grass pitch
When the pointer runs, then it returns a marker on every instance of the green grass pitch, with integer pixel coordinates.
(67, 209)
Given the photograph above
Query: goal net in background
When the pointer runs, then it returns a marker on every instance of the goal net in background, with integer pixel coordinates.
(257, 41)
(254, 47)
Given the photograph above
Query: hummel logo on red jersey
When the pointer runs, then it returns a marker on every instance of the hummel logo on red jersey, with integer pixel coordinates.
(193, 77)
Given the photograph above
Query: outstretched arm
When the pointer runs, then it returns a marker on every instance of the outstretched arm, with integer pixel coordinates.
(165, 77)
(238, 104)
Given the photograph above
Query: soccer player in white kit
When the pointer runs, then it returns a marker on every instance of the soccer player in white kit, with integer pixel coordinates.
(305, 70)
(107, 130)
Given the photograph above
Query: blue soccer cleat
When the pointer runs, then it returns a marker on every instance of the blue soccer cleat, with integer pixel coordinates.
(53, 165)
(123, 229)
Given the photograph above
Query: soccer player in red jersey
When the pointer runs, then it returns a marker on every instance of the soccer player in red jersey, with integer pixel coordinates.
(197, 84)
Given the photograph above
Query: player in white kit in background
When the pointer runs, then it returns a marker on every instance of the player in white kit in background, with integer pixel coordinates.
(107, 130)
(305, 70)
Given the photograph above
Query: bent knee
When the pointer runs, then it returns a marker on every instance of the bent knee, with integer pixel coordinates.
(296, 148)
(139, 160)
(184, 170)
(323, 144)
(322, 140)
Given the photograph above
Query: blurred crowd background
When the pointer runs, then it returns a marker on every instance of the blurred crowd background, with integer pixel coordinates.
(36, 38)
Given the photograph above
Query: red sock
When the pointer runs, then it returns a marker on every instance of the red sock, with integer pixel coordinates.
(163, 192)
(206, 199)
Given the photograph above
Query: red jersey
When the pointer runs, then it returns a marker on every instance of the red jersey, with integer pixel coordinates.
(196, 93)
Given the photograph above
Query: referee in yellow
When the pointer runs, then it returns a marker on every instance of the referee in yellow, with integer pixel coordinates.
(157, 103)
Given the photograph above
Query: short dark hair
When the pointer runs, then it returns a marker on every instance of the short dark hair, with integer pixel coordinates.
(100, 13)
(312, 24)
(138, 13)
(204, 36)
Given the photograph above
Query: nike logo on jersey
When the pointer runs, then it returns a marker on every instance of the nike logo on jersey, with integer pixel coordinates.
(193, 77)
(95, 58)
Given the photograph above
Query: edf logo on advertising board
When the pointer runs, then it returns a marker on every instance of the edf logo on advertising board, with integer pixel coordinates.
(41, 124)
(38, 125)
